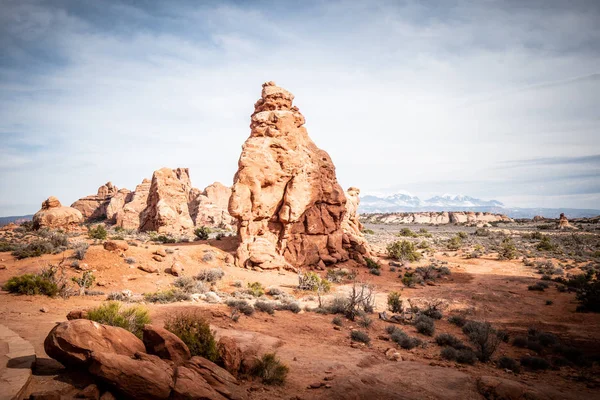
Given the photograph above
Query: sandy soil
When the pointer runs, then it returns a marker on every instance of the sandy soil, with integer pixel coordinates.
(484, 288)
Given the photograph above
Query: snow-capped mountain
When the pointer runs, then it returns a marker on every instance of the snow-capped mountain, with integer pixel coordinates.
(404, 201)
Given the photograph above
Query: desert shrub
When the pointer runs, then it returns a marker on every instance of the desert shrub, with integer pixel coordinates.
(449, 353)
(534, 363)
(241, 305)
(454, 243)
(337, 305)
(410, 279)
(195, 332)
(360, 300)
(457, 320)
(130, 260)
(202, 233)
(85, 281)
(288, 306)
(508, 363)
(265, 306)
(503, 335)
(394, 302)
(360, 336)
(58, 240)
(589, 297)
(446, 339)
(313, 282)
(484, 337)
(507, 250)
(33, 249)
(80, 249)
(337, 275)
(365, 321)
(403, 250)
(405, 341)
(31, 284)
(256, 289)
(425, 325)
(466, 356)
(547, 339)
(538, 286)
(166, 296)
(97, 232)
(271, 370)
(482, 232)
(462, 235)
(337, 320)
(190, 285)
(545, 244)
(368, 231)
(6, 246)
(375, 271)
(165, 239)
(372, 264)
(112, 313)
(407, 232)
(210, 275)
(520, 341)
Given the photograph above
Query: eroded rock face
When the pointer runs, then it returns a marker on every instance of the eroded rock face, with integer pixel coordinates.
(167, 208)
(116, 204)
(436, 218)
(563, 222)
(164, 344)
(286, 198)
(55, 215)
(72, 342)
(129, 216)
(93, 207)
(209, 208)
(351, 224)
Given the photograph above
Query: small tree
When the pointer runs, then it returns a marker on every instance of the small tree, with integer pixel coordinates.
(98, 232)
(403, 250)
(202, 233)
(484, 337)
(507, 250)
(394, 302)
(85, 281)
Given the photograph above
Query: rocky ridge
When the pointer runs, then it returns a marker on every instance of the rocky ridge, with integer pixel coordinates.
(435, 218)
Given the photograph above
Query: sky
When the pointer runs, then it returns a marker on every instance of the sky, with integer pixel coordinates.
(491, 99)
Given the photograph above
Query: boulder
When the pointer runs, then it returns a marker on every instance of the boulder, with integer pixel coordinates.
(164, 344)
(176, 269)
(199, 378)
(93, 207)
(77, 314)
(143, 377)
(352, 226)
(492, 387)
(148, 268)
(563, 223)
(114, 245)
(129, 216)
(286, 199)
(72, 342)
(116, 204)
(230, 355)
(209, 207)
(167, 208)
(54, 215)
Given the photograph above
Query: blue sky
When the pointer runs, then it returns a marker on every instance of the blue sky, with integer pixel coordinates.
(492, 99)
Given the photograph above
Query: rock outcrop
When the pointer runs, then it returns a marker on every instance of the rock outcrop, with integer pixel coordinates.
(209, 208)
(563, 223)
(167, 209)
(118, 361)
(93, 207)
(128, 217)
(351, 223)
(286, 198)
(55, 215)
(436, 218)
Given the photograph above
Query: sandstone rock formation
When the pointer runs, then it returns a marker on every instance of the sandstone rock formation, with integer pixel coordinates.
(73, 342)
(94, 207)
(116, 204)
(351, 223)
(119, 362)
(209, 208)
(563, 223)
(436, 218)
(54, 215)
(167, 210)
(286, 198)
(128, 217)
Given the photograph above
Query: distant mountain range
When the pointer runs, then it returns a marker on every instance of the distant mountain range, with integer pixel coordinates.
(405, 202)
(16, 219)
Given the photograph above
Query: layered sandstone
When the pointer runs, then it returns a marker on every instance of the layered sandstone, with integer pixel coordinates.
(54, 215)
(351, 224)
(209, 208)
(128, 217)
(563, 223)
(436, 218)
(93, 207)
(286, 198)
(167, 208)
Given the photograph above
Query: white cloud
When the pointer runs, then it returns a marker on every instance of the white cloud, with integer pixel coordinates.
(400, 96)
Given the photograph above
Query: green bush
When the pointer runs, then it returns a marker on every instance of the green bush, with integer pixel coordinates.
(33, 249)
(407, 233)
(337, 320)
(455, 243)
(394, 302)
(545, 244)
(112, 313)
(241, 305)
(313, 282)
(31, 284)
(5, 246)
(360, 336)
(85, 281)
(271, 370)
(462, 235)
(80, 249)
(457, 320)
(400, 337)
(484, 337)
(507, 250)
(98, 232)
(166, 296)
(195, 332)
(210, 275)
(425, 325)
(508, 363)
(403, 250)
(446, 339)
(265, 306)
(256, 289)
(202, 233)
(372, 264)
